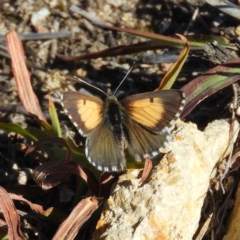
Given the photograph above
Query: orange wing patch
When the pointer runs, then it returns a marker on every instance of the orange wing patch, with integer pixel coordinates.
(85, 111)
(89, 112)
(148, 111)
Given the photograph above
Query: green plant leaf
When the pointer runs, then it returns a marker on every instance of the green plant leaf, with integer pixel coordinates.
(54, 214)
(176, 67)
(12, 127)
(46, 127)
(54, 118)
(212, 81)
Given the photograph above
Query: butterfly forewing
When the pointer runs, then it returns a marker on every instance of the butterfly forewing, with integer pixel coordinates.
(154, 110)
(85, 111)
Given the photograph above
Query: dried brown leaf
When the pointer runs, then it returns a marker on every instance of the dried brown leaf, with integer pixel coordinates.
(80, 214)
(235, 163)
(35, 207)
(113, 51)
(148, 166)
(10, 215)
(55, 140)
(106, 181)
(50, 174)
(22, 77)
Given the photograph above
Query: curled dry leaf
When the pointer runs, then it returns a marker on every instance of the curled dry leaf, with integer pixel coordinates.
(51, 174)
(35, 207)
(56, 140)
(10, 215)
(80, 214)
(148, 166)
(106, 181)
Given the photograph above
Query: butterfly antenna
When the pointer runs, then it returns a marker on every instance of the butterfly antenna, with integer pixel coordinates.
(90, 85)
(123, 79)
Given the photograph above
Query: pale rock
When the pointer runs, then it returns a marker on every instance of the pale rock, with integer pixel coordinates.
(168, 205)
(39, 16)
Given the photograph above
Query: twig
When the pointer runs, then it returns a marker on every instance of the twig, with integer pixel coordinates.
(231, 133)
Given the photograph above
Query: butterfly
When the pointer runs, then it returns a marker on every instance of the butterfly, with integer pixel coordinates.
(140, 123)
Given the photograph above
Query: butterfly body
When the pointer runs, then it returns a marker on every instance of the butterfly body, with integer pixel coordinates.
(113, 114)
(141, 123)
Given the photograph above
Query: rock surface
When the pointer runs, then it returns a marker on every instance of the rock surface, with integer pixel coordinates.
(168, 205)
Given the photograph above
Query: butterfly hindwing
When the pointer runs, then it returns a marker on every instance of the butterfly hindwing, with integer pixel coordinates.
(141, 142)
(155, 110)
(105, 150)
(84, 110)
